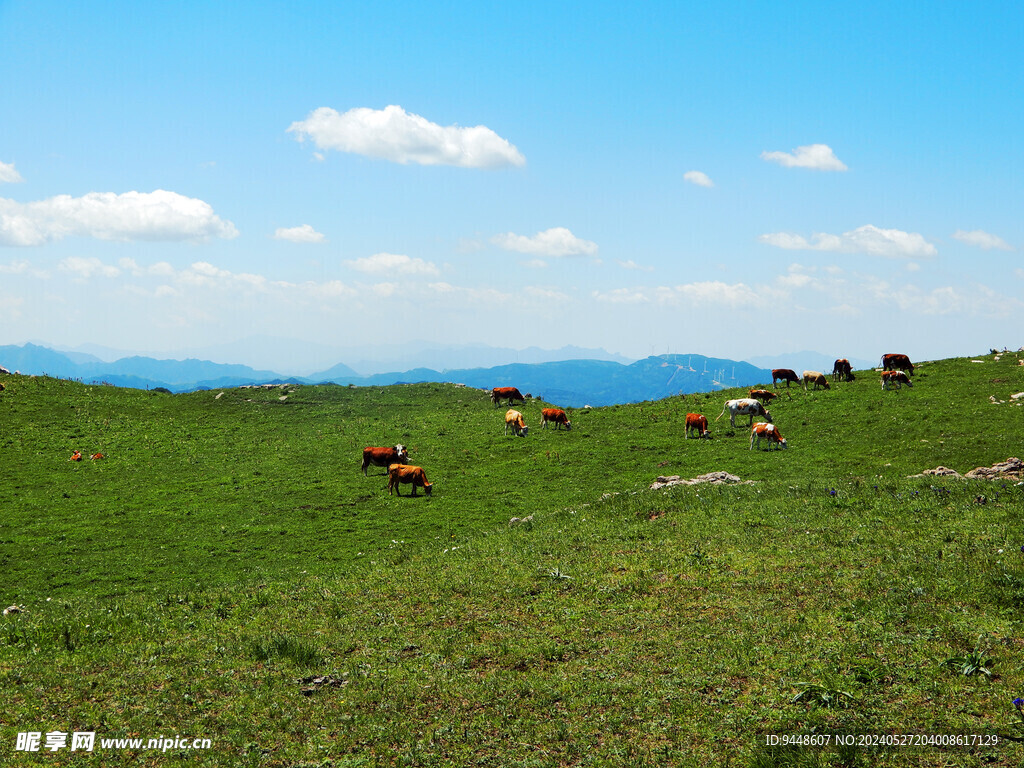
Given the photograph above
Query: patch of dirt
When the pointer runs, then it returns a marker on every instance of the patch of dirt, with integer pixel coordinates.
(713, 478)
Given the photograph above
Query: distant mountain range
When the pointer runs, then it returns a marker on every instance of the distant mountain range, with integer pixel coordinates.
(572, 383)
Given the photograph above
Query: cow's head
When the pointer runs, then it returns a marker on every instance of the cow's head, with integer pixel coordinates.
(767, 415)
(402, 454)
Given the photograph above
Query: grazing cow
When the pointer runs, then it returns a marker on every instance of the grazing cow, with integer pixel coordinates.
(76, 456)
(817, 378)
(894, 362)
(2, 387)
(97, 456)
(744, 407)
(767, 432)
(506, 393)
(404, 473)
(556, 415)
(763, 395)
(842, 370)
(895, 378)
(383, 457)
(784, 374)
(515, 420)
(698, 422)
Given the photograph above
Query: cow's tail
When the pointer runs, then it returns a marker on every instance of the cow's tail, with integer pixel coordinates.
(724, 407)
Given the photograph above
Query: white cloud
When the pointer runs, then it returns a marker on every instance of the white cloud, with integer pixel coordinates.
(393, 263)
(535, 263)
(715, 293)
(630, 264)
(394, 134)
(159, 215)
(982, 239)
(699, 178)
(890, 243)
(8, 174)
(818, 157)
(301, 234)
(557, 241)
(622, 296)
(86, 268)
(545, 293)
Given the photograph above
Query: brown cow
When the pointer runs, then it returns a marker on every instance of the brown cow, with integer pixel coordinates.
(767, 432)
(895, 378)
(506, 393)
(784, 374)
(555, 415)
(383, 457)
(763, 395)
(698, 422)
(893, 362)
(404, 473)
(515, 420)
(842, 370)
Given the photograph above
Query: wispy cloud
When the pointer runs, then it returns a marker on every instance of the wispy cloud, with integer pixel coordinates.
(818, 157)
(8, 174)
(890, 243)
(393, 264)
(301, 234)
(982, 239)
(396, 135)
(150, 216)
(554, 242)
(699, 178)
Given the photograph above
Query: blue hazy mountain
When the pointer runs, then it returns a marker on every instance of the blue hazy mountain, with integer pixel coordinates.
(567, 382)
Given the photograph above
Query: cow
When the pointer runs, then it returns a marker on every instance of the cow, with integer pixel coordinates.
(744, 407)
(405, 473)
(895, 362)
(767, 432)
(96, 456)
(515, 420)
(76, 456)
(817, 378)
(556, 415)
(897, 378)
(842, 370)
(698, 422)
(506, 393)
(383, 457)
(784, 374)
(763, 395)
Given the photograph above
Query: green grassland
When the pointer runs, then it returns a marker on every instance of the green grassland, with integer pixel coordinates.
(227, 572)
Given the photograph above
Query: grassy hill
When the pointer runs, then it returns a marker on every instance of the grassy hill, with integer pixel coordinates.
(227, 572)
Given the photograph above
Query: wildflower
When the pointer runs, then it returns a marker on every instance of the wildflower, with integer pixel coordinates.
(833, 492)
(1018, 703)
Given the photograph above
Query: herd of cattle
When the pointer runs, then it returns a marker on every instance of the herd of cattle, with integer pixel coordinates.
(896, 372)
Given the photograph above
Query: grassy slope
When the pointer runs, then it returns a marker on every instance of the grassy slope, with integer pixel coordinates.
(226, 548)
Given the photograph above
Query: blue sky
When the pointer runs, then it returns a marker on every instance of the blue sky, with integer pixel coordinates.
(738, 181)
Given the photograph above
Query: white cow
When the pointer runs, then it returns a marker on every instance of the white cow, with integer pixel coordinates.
(746, 406)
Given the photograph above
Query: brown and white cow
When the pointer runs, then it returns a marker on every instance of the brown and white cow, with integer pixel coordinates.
(895, 378)
(515, 420)
(383, 457)
(744, 407)
(842, 370)
(405, 473)
(896, 362)
(555, 415)
(699, 423)
(506, 393)
(763, 395)
(769, 432)
(784, 374)
(817, 378)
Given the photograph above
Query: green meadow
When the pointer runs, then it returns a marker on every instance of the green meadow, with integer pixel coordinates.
(226, 572)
